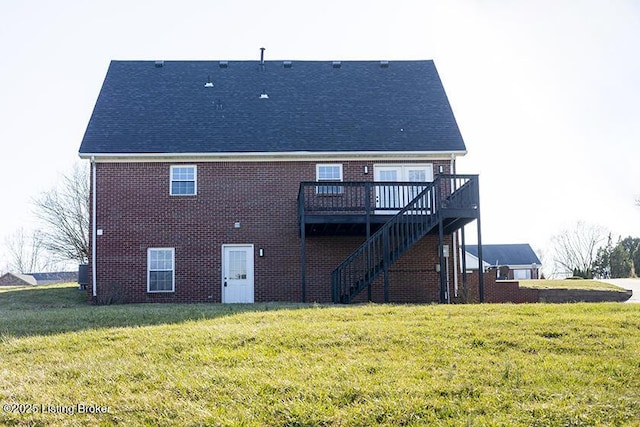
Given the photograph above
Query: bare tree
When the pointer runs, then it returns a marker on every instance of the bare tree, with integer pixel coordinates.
(27, 252)
(4, 264)
(575, 250)
(64, 212)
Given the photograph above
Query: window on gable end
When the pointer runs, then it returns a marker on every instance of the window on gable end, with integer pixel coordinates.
(329, 173)
(184, 180)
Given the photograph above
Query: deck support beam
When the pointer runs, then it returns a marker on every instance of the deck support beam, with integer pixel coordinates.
(443, 289)
(367, 204)
(479, 231)
(465, 286)
(480, 258)
(385, 265)
(303, 260)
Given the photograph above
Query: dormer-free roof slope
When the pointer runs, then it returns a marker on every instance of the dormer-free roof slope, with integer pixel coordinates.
(205, 107)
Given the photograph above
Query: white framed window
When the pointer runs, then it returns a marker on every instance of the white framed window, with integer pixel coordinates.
(161, 270)
(329, 173)
(522, 274)
(183, 180)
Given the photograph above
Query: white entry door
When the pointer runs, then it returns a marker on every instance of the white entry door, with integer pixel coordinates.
(237, 273)
(395, 198)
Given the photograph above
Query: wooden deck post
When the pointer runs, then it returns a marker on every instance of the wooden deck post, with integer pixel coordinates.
(303, 267)
(443, 290)
(367, 212)
(385, 264)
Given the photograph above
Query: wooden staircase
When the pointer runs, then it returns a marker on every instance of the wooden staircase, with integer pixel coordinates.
(444, 205)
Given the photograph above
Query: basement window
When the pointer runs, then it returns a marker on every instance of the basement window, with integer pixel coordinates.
(329, 173)
(161, 270)
(183, 180)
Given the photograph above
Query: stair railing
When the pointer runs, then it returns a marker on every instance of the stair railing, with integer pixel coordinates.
(387, 244)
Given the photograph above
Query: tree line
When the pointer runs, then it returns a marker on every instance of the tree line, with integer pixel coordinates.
(621, 259)
(589, 251)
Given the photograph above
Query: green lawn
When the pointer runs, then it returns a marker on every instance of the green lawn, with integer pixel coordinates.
(306, 365)
(569, 284)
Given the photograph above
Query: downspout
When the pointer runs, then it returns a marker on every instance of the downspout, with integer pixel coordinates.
(452, 169)
(93, 231)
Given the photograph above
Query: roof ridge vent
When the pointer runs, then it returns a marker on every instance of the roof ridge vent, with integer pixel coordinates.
(336, 64)
(159, 64)
(223, 64)
(384, 64)
(287, 64)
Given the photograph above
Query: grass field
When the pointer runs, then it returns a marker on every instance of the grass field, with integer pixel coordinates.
(569, 284)
(306, 365)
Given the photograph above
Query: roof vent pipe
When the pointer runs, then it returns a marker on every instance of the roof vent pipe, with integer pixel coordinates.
(261, 56)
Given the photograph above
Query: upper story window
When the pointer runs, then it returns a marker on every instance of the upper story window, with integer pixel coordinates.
(329, 173)
(160, 270)
(184, 180)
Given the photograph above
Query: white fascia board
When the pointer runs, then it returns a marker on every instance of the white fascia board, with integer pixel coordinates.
(523, 266)
(273, 156)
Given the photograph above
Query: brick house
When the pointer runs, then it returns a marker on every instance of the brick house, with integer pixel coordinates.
(247, 181)
(509, 261)
(33, 279)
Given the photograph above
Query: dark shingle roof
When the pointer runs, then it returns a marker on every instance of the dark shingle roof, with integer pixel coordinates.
(515, 254)
(312, 106)
(60, 276)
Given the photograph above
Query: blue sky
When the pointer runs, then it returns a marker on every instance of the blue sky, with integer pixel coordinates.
(546, 93)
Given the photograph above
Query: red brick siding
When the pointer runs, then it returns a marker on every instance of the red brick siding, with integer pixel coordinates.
(136, 212)
(500, 291)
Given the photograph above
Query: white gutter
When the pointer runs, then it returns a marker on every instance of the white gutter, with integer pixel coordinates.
(270, 156)
(93, 229)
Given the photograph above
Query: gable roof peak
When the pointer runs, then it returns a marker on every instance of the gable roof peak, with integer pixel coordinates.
(313, 107)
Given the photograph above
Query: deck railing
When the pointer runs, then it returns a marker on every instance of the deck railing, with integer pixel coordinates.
(383, 198)
(356, 197)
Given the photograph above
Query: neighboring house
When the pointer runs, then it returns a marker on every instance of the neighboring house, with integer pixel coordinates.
(55, 277)
(15, 279)
(512, 261)
(243, 181)
(32, 279)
